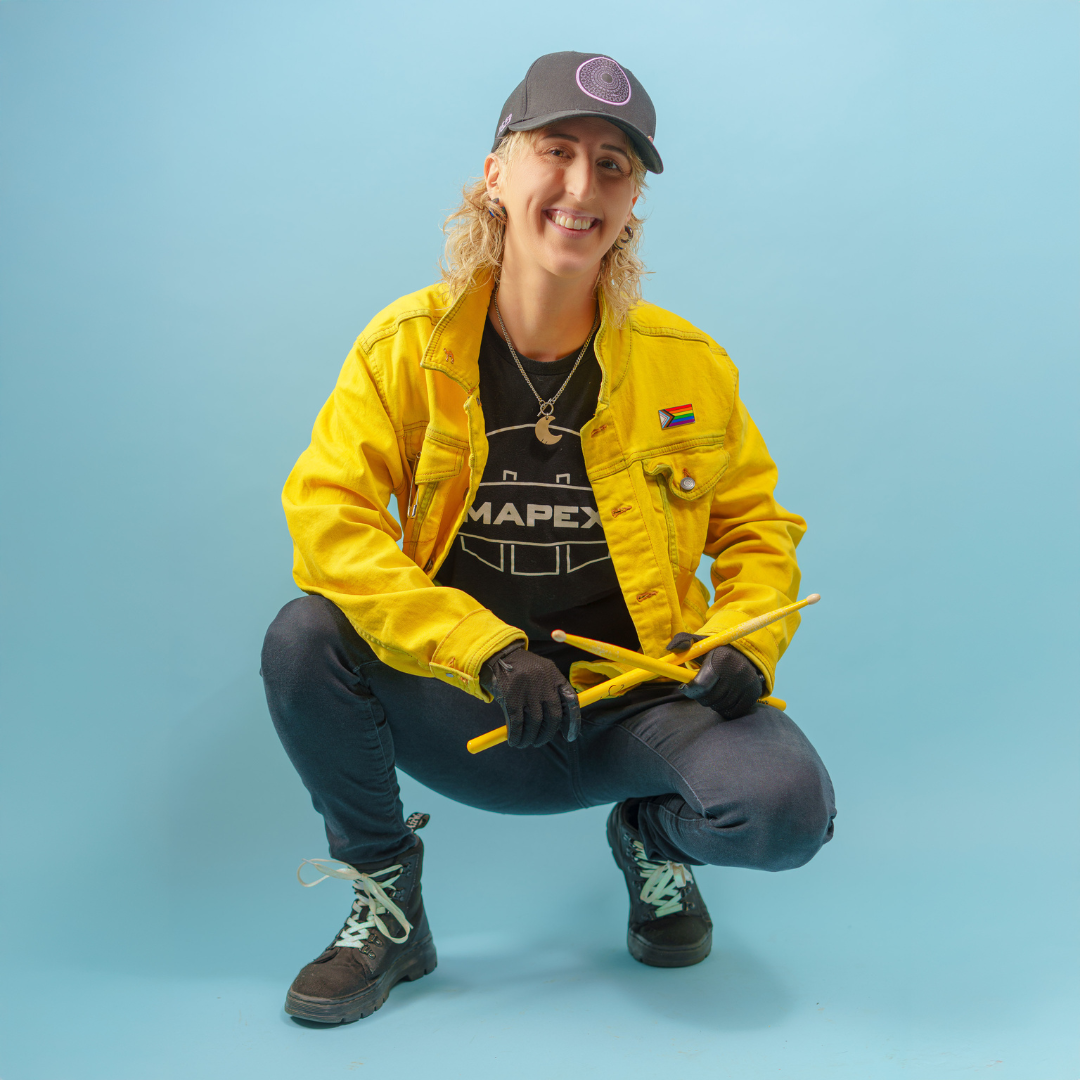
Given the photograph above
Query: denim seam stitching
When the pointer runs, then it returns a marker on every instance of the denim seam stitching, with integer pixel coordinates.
(573, 759)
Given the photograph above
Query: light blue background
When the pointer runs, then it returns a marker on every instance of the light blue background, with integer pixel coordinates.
(871, 205)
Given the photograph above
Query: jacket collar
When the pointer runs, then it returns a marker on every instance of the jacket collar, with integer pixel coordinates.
(454, 348)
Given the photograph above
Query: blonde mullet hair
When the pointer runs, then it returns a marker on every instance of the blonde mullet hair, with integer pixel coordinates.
(475, 231)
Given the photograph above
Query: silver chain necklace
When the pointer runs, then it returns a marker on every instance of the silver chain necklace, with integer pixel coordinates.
(542, 430)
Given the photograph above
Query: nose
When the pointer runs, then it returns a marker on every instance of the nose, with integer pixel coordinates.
(581, 178)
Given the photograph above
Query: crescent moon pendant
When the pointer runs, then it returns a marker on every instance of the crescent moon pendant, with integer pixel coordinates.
(543, 431)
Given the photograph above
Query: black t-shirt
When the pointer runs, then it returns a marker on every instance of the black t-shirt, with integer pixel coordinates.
(531, 547)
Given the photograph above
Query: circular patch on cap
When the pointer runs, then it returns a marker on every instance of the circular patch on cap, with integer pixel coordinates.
(601, 78)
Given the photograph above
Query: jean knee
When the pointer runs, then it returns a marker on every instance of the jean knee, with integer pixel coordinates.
(778, 824)
(299, 634)
(793, 819)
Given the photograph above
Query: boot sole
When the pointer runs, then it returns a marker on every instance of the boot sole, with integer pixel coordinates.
(408, 967)
(667, 956)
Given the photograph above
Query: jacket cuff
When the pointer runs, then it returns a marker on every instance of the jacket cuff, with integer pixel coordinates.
(461, 653)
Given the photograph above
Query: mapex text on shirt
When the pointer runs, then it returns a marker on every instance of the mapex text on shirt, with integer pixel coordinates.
(561, 517)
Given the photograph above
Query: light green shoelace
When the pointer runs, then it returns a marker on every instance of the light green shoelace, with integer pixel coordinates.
(664, 882)
(370, 895)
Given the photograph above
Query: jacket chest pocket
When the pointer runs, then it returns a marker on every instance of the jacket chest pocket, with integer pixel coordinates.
(685, 480)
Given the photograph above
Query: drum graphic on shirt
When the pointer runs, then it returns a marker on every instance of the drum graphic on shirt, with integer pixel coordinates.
(529, 523)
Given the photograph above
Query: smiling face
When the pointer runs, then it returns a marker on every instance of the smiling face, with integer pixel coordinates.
(567, 196)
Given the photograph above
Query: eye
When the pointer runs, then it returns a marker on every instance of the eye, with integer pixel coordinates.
(610, 165)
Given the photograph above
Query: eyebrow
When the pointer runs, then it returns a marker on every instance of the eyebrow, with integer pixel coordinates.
(574, 138)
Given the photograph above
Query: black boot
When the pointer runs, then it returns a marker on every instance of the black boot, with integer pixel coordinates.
(669, 923)
(385, 940)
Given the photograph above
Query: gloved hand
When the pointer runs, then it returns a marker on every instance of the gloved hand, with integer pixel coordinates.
(727, 683)
(535, 697)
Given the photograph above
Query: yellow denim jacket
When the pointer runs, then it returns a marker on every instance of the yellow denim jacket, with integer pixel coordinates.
(405, 419)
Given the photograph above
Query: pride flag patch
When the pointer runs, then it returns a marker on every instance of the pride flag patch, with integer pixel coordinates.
(676, 415)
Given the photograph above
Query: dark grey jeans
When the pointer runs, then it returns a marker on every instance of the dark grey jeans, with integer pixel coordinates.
(750, 792)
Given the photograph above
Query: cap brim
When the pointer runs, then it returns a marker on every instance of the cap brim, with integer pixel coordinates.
(642, 144)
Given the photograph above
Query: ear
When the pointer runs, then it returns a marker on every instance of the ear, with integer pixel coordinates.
(492, 173)
(633, 202)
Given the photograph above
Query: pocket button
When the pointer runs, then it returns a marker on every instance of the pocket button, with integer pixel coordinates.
(688, 483)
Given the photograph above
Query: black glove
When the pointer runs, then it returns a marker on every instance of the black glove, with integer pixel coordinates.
(534, 696)
(727, 682)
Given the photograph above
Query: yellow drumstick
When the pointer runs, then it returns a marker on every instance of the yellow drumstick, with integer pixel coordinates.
(625, 656)
(621, 683)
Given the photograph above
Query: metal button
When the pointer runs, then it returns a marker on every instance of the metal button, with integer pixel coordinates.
(688, 483)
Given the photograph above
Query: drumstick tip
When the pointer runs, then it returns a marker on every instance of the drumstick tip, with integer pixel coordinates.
(813, 598)
(558, 635)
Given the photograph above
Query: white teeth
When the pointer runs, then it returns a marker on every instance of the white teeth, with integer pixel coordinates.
(568, 222)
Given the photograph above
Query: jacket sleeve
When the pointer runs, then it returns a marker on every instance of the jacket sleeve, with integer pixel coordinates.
(345, 542)
(752, 541)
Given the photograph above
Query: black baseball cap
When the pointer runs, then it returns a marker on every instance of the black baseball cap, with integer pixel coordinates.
(564, 84)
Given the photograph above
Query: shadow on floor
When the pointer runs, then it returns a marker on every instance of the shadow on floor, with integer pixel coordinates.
(732, 990)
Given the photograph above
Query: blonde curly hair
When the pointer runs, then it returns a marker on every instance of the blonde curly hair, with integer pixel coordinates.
(474, 238)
